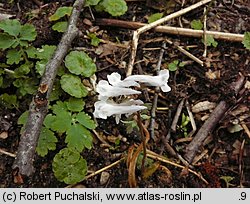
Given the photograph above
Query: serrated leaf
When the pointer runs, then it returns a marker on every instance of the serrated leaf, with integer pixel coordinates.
(75, 104)
(61, 12)
(73, 86)
(12, 27)
(26, 86)
(69, 167)
(49, 119)
(13, 56)
(211, 41)
(246, 40)
(28, 32)
(47, 141)
(85, 120)
(6, 41)
(114, 7)
(41, 66)
(59, 107)
(45, 52)
(8, 101)
(23, 69)
(31, 52)
(79, 63)
(60, 26)
(91, 2)
(154, 17)
(78, 137)
(62, 122)
(196, 24)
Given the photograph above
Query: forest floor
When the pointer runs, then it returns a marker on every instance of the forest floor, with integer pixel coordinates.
(223, 160)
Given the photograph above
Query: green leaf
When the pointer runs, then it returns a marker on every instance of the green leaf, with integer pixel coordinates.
(47, 141)
(28, 32)
(1, 81)
(94, 40)
(211, 41)
(60, 26)
(196, 24)
(6, 41)
(12, 27)
(31, 52)
(73, 86)
(59, 107)
(69, 167)
(85, 120)
(75, 104)
(78, 137)
(49, 119)
(13, 56)
(46, 52)
(114, 7)
(246, 40)
(8, 101)
(23, 118)
(91, 2)
(62, 122)
(23, 69)
(79, 63)
(26, 86)
(61, 12)
(173, 65)
(154, 17)
(41, 66)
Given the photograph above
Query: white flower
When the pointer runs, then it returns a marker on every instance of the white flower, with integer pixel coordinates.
(160, 80)
(105, 90)
(104, 109)
(115, 80)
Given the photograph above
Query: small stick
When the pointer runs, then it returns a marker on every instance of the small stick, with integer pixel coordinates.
(233, 37)
(158, 157)
(191, 117)
(104, 168)
(147, 27)
(185, 52)
(157, 89)
(177, 115)
(246, 129)
(205, 32)
(217, 114)
(7, 153)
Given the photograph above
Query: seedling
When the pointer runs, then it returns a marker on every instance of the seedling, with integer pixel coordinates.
(173, 66)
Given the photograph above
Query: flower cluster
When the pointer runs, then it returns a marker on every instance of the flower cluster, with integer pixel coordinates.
(114, 87)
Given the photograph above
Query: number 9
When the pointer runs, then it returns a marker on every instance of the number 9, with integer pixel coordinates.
(243, 196)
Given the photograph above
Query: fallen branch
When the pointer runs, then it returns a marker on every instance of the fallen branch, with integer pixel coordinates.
(217, 114)
(171, 30)
(39, 105)
(147, 27)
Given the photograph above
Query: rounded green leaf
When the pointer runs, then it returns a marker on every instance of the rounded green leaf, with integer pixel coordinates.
(246, 40)
(79, 63)
(61, 12)
(73, 86)
(13, 56)
(115, 7)
(69, 167)
(154, 17)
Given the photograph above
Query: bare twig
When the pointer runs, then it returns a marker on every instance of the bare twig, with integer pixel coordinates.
(147, 27)
(39, 105)
(177, 115)
(191, 117)
(185, 52)
(7, 153)
(205, 32)
(172, 30)
(210, 123)
(154, 104)
(246, 129)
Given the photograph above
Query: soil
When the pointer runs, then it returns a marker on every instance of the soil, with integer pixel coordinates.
(223, 155)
